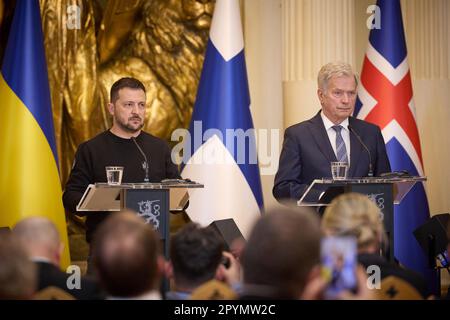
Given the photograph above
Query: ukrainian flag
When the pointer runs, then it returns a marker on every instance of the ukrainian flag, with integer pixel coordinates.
(29, 177)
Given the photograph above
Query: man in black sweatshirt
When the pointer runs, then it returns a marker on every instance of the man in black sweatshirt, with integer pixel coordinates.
(115, 147)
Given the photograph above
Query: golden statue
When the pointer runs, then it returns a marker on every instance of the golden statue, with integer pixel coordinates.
(91, 44)
(160, 42)
(2, 8)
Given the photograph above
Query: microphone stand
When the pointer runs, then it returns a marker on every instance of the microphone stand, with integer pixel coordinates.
(370, 174)
(146, 165)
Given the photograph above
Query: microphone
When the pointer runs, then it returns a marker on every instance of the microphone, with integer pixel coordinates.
(370, 174)
(145, 164)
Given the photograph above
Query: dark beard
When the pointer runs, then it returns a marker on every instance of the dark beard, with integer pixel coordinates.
(128, 128)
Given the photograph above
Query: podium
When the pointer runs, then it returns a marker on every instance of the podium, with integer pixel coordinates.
(383, 191)
(151, 201)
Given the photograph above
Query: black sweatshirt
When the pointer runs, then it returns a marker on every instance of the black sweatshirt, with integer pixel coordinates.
(107, 149)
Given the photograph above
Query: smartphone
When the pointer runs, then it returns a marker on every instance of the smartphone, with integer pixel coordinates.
(339, 261)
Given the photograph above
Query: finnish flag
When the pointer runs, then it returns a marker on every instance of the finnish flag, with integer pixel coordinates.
(221, 149)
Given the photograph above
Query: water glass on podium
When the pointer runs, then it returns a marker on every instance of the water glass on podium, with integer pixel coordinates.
(114, 175)
(339, 170)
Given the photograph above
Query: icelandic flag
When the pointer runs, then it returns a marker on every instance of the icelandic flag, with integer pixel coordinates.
(29, 177)
(221, 149)
(385, 97)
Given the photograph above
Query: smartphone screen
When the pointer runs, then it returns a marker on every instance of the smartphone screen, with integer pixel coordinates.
(339, 260)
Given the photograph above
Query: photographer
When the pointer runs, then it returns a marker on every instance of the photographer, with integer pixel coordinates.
(196, 258)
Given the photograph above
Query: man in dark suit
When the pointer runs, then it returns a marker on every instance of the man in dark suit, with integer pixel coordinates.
(41, 240)
(332, 135)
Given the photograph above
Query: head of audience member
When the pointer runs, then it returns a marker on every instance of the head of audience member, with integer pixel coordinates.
(337, 91)
(40, 238)
(18, 275)
(354, 214)
(195, 256)
(127, 106)
(126, 254)
(282, 254)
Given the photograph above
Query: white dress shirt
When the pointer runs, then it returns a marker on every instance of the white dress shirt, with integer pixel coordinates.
(345, 133)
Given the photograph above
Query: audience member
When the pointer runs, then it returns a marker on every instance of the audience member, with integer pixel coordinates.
(281, 255)
(17, 272)
(42, 242)
(126, 257)
(354, 214)
(282, 258)
(196, 256)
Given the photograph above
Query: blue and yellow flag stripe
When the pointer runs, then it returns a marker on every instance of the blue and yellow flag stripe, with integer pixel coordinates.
(29, 179)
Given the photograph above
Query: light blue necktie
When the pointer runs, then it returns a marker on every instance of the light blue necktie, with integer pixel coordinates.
(341, 151)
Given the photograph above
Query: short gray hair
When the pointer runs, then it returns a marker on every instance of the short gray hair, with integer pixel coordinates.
(332, 70)
(37, 231)
(18, 274)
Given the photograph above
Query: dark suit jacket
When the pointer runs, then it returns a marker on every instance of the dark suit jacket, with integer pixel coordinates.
(50, 275)
(307, 153)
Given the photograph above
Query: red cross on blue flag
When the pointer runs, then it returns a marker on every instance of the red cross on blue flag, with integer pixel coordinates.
(385, 98)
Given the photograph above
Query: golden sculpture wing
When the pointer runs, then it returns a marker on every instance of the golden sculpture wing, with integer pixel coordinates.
(165, 50)
(2, 9)
(72, 68)
(119, 18)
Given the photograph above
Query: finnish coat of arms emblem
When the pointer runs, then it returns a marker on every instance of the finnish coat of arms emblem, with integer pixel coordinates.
(150, 211)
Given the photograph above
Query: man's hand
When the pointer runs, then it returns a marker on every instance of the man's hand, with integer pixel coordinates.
(232, 274)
